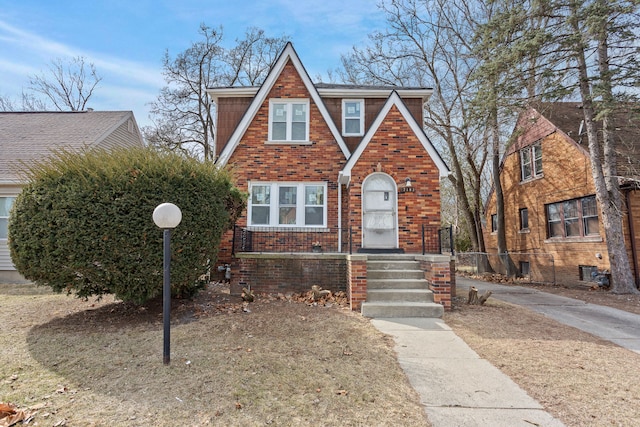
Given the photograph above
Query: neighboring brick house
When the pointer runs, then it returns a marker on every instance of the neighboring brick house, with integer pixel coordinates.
(345, 170)
(553, 224)
(26, 137)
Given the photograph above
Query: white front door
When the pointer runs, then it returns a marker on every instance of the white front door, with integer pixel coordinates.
(379, 212)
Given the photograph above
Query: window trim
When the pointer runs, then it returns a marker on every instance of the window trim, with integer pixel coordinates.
(344, 117)
(580, 219)
(531, 150)
(274, 204)
(289, 102)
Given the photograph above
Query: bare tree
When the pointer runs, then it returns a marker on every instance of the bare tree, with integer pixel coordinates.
(68, 84)
(183, 119)
(428, 43)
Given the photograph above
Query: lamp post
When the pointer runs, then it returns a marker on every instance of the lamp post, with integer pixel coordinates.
(167, 216)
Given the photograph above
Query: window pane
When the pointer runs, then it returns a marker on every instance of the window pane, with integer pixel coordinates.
(3, 228)
(494, 222)
(288, 195)
(352, 126)
(555, 229)
(314, 216)
(260, 215)
(537, 149)
(5, 205)
(591, 226)
(279, 112)
(572, 227)
(287, 215)
(570, 209)
(279, 132)
(525, 161)
(299, 131)
(589, 206)
(260, 195)
(352, 109)
(299, 112)
(314, 195)
(553, 212)
(524, 219)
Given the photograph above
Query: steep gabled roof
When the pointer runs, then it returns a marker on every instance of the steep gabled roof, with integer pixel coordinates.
(31, 136)
(393, 100)
(288, 54)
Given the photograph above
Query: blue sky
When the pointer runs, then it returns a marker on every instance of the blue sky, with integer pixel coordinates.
(126, 39)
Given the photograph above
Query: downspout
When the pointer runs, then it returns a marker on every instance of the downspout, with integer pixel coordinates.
(339, 216)
(632, 237)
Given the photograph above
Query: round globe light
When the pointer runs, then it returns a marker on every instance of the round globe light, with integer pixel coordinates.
(167, 215)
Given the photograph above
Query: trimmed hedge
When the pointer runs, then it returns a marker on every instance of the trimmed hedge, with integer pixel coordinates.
(84, 222)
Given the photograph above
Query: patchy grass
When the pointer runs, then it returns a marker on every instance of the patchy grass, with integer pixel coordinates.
(580, 379)
(89, 363)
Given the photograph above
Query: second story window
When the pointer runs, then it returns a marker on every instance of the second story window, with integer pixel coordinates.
(494, 223)
(353, 117)
(531, 162)
(289, 120)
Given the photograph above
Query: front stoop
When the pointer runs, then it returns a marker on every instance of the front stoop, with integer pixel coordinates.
(396, 288)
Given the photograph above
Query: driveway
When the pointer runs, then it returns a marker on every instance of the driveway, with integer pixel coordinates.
(617, 326)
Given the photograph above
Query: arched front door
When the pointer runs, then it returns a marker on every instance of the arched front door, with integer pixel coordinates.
(379, 212)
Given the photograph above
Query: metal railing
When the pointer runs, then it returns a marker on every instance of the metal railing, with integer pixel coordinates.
(299, 239)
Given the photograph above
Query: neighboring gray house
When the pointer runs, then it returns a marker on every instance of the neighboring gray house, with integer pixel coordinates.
(30, 136)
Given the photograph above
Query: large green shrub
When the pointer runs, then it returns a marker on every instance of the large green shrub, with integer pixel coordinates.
(84, 222)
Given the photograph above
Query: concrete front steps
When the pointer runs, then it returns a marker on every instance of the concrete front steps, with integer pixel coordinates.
(396, 287)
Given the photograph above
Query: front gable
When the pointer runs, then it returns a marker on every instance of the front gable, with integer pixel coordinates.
(395, 126)
(287, 80)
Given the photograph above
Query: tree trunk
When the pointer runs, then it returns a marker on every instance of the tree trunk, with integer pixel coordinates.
(604, 173)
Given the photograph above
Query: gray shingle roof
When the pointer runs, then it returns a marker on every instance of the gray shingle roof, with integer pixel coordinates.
(29, 136)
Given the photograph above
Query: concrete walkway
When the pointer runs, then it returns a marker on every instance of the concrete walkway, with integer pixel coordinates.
(456, 386)
(617, 326)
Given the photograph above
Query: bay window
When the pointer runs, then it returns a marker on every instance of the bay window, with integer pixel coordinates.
(274, 204)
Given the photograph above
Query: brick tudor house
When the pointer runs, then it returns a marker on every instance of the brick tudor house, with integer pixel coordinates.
(552, 222)
(337, 175)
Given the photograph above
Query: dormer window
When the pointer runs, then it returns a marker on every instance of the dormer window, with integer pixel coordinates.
(289, 120)
(352, 117)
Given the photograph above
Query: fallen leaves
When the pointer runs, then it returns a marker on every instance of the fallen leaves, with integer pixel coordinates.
(11, 415)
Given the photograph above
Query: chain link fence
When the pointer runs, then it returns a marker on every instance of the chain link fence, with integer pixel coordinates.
(532, 267)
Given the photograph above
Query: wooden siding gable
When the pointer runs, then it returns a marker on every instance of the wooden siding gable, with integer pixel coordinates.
(394, 100)
(288, 55)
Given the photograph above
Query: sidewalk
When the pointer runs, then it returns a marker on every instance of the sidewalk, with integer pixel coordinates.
(456, 386)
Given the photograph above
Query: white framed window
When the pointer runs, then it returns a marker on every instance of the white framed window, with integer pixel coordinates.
(287, 204)
(352, 117)
(5, 208)
(289, 120)
(531, 162)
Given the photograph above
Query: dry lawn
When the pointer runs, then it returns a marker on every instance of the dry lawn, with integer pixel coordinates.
(282, 363)
(580, 379)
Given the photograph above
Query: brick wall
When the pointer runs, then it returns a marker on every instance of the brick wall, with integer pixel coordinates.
(439, 271)
(288, 273)
(396, 151)
(357, 281)
(566, 175)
